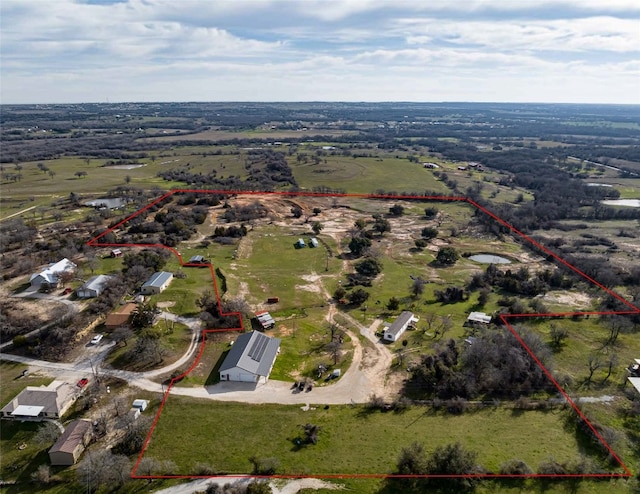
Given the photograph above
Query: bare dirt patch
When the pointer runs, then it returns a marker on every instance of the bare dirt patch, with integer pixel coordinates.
(166, 304)
(576, 300)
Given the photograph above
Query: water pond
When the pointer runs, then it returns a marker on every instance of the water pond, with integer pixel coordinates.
(489, 259)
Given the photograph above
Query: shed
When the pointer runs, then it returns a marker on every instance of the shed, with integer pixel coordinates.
(250, 359)
(133, 413)
(116, 253)
(157, 283)
(399, 326)
(313, 242)
(478, 317)
(71, 443)
(140, 404)
(197, 260)
(300, 244)
(265, 319)
(93, 286)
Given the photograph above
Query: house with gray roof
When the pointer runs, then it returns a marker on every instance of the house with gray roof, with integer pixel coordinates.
(93, 287)
(50, 274)
(157, 283)
(71, 443)
(399, 326)
(251, 358)
(36, 403)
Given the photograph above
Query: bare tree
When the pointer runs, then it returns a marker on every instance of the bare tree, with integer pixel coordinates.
(47, 433)
(334, 350)
(613, 360)
(417, 287)
(594, 364)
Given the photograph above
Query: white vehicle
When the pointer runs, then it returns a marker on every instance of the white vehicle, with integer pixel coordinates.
(96, 339)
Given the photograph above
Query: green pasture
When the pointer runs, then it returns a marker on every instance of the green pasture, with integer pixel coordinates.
(366, 175)
(271, 266)
(352, 440)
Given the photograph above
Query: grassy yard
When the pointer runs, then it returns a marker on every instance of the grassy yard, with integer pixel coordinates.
(352, 440)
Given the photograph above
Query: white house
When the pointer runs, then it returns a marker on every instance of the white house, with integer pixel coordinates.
(399, 326)
(93, 287)
(157, 283)
(250, 359)
(50, 274)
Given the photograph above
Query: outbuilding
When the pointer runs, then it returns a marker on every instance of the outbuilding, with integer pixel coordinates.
(313, 242)
(265, 319)
(477, 318)
(71, 443)
(250, 359)
(93, 287)
(140, 404)
(157, 283)
(399, 326)
(300, 244)
(120, 317)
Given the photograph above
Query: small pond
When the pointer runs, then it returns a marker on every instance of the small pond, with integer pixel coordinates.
(489, 259)
(632, 203)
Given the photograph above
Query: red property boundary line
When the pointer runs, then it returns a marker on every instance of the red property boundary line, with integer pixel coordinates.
(505, 318)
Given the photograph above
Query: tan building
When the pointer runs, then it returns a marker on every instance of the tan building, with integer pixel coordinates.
(71, 443)
(120, 317)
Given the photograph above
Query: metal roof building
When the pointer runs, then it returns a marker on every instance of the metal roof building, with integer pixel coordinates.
(157, 283)
(93, 287)
(399, 326)
(71, 443)
(250, 359)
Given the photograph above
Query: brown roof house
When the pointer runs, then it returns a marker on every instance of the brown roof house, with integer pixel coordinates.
(71, 443)
(119, 317)
(36, 403)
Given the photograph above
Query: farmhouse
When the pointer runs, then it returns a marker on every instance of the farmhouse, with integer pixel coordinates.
(265, 319)
(477, 318)
(120, 317)
(40, 402)
(250, 359)
(399, 326)
(93, 287)
(50, 275)
(71, 443)
(157, 283)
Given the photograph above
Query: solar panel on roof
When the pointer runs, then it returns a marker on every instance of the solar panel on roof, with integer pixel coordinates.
(257, 349)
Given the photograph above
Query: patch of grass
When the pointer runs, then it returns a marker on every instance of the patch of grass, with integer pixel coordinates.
(350, 441)
(12, 384)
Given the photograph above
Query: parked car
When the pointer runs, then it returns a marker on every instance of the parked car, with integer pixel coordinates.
(67, 291)
(96, 339)
(82, 382)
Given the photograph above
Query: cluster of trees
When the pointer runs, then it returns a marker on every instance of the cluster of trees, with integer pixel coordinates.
(248, 212)
(495, 364)
(172, 226)
(521, 282)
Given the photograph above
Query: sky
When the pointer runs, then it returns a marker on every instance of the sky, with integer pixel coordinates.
(556, 51)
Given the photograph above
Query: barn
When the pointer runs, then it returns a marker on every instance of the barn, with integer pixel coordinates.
(71, 443)
(250, 359)
(157, 283)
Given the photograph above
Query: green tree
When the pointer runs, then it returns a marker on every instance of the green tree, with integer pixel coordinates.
(381, 226)
(421, 243)
(396, 210)
(317, 227)
(144, 315)
(358, 296)
(358, 245)
(393, 304)
(369, 267)
(430, 213)
(429, 233)
(447, 256)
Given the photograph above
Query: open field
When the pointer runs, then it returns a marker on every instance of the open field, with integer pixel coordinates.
(224, 135)
(352, 440)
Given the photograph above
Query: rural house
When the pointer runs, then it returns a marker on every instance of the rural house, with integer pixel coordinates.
(120, 317)
(40, 402)
(157, 283)
(250, 359)
(399, 326)
(93, 287)
(71, 443)
(50, 275)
